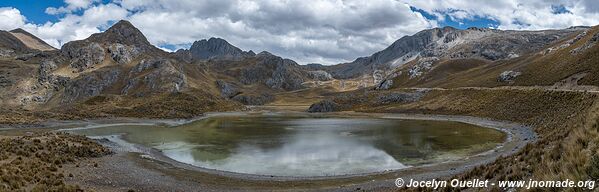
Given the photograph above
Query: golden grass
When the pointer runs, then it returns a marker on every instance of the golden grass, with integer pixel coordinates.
(34, 162)
(567, 124)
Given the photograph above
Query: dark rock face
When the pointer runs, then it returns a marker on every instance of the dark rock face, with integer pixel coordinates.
(227, 90)
(90, 85)
(254, 99)
(213, 48)
(275, 72)
(324, 106)
(155, 76)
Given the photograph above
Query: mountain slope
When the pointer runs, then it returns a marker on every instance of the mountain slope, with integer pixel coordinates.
(31, 41)
(430, 46)
(569, 62)
(119, 65)
(11, 45)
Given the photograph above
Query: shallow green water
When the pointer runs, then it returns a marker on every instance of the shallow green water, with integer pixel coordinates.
(308, 146)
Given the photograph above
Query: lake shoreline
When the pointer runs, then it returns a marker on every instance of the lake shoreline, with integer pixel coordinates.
(149, 160)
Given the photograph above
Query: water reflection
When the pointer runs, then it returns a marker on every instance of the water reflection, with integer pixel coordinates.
(300, 146)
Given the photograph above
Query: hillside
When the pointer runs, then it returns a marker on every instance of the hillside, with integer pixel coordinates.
(566, 63)
(421, 52)
(119, 73)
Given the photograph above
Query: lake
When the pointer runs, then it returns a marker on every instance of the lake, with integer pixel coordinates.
(287, 145)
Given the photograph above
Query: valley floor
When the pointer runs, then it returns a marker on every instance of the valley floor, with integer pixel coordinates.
(561, 118)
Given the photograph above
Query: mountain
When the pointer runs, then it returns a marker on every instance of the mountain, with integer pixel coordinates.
(438, 44)
(558, 58)
(123, 68)
(9, 44)
(19, 41)
(116, 71)
(213, 48)
(248, 77)
(120, 70)
(31, 41)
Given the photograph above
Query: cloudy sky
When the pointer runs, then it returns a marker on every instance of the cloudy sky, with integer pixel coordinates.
(316, 31)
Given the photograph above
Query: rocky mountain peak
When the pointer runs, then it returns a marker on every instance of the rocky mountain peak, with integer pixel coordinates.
(216, 48)
(122, 32)
(122, 42)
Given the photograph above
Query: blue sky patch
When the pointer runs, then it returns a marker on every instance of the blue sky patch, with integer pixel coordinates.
(475, 21)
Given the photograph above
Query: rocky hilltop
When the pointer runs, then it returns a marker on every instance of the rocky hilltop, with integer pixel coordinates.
(213, 48)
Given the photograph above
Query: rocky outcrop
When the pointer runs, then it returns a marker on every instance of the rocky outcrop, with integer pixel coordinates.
(122, 54)
(213, 48)
(83, 56)
(90, 85)
(324, 106)
(275, 72)
(227, 90)
(423, 65)
(155, 76)
(320, 75)
(6, 52)
(508, 76)
(384, 85)
(590, 43)
(45, 70)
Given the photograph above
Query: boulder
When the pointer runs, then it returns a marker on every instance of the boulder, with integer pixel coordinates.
(508, 76)
(385, 84)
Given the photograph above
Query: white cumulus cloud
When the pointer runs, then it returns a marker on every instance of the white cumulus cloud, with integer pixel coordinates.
(322, 31)
(11, 18)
